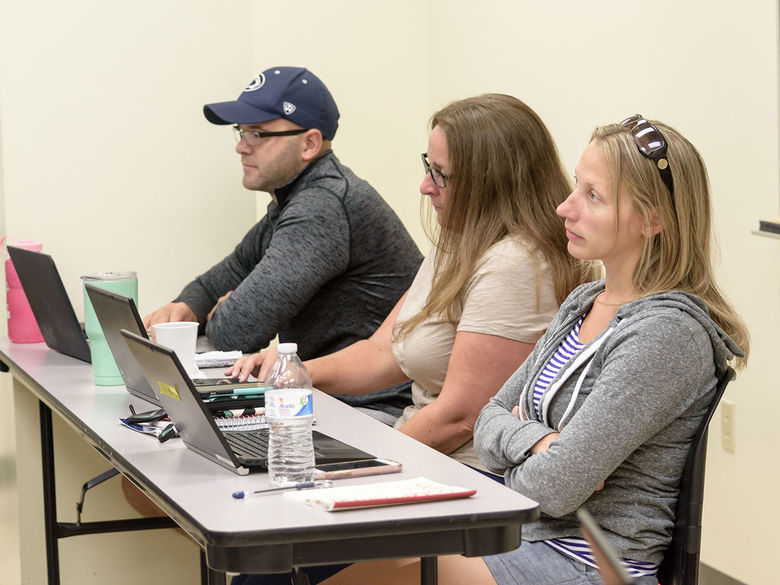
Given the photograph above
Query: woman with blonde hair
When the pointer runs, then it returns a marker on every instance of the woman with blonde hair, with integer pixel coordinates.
(602, 413)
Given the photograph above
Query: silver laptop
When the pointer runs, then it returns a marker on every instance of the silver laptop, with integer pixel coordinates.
(239, 451)
(116, 312)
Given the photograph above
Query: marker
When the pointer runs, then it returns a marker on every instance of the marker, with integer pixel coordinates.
(305, 485)
(239, 413)
(259, 391)
(168, 432)
(226, 400)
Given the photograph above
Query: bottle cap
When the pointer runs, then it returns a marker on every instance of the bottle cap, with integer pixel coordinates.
(287, 348)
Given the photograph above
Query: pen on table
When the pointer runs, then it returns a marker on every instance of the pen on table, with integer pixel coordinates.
(305, 485)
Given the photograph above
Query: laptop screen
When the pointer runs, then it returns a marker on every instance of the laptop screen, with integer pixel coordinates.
(116, 312)
(50, 303)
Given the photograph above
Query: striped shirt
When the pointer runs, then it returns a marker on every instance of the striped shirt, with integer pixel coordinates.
(567, 350)
(576, 547)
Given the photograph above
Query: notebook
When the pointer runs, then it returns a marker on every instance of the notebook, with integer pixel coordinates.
(388, 493)
(116, 312)
(239, 451)
(50, 303)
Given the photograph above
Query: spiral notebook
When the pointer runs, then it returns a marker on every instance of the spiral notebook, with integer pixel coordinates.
(250, 419)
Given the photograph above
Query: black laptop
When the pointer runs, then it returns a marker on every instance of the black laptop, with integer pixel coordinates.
(239, 451)
(49, 302)
(115, 312)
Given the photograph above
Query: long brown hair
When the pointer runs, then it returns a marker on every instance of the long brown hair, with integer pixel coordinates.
(507, 180)
(679, 256)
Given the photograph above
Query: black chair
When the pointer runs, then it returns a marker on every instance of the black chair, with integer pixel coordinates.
(681, 563)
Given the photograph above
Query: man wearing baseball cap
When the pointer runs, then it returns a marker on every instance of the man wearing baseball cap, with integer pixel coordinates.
(328, 261)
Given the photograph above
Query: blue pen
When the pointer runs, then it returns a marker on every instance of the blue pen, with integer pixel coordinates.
(305, 485)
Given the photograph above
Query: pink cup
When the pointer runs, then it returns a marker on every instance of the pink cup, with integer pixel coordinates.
(22, 326)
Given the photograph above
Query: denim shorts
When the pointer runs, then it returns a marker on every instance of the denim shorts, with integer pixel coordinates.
(536, 563)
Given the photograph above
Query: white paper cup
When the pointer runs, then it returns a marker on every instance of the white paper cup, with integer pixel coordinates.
(181, 337)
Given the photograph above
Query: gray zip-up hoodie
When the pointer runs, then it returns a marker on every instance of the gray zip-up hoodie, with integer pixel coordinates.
(626, 412)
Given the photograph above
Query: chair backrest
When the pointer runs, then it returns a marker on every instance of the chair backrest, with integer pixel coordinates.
(681, 563)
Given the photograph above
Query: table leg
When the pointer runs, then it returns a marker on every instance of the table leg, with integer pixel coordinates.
(49, 496)
(429, 571)
(209, 576)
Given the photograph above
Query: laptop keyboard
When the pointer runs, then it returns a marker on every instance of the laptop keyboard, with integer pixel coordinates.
(249, 445)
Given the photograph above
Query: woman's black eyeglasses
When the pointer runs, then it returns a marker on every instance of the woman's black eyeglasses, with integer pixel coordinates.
(439, 178)
(652, 144)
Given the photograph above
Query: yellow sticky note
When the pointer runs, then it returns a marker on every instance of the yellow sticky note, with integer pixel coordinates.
(169, 390)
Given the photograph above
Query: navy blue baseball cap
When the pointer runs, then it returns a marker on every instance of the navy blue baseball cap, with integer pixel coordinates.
(293, 93)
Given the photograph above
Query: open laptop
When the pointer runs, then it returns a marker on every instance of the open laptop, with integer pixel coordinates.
(116, 312)
(49, 302)
(239, 451)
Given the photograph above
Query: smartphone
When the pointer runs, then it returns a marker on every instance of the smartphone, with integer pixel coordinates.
(357, 468)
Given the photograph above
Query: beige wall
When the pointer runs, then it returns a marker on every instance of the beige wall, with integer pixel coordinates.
(107, 159)
(373, 57)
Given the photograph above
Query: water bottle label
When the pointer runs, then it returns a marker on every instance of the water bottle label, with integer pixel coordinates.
(288, 403)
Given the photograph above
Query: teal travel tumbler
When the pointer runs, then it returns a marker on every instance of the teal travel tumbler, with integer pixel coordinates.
(104, 367)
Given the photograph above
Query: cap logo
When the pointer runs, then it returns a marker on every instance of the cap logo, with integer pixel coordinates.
(256, 83)
(288, 108)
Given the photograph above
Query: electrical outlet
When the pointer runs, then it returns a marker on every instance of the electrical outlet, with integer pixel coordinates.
(728, 426)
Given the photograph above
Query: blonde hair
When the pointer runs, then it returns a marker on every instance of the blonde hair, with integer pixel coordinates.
(506, 181)
(678, 257)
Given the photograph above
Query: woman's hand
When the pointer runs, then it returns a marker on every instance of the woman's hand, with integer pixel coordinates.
(257, 364)
(518, 414)
(544, 443)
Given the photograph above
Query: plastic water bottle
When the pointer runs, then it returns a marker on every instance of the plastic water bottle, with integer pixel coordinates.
(289, 412)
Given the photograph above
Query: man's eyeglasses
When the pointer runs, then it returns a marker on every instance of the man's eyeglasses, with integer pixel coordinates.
(439, 178)
(255, 137)
(652, 144)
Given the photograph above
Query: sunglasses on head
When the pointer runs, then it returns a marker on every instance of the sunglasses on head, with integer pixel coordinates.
(651, 144)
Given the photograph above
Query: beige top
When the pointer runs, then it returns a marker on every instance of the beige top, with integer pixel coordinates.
(501, 299)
